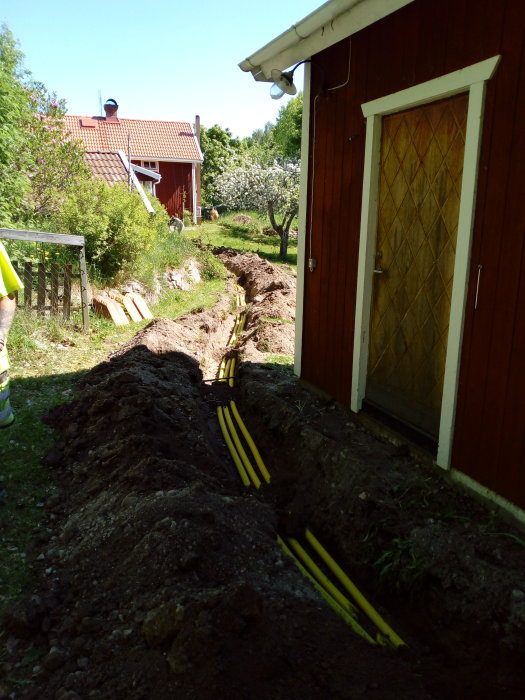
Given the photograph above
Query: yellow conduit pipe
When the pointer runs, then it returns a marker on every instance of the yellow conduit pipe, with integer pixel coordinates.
(233, 333)
(233, 452)
(240, 449)
(232, 372)
(321, 577)
(251, 444)
(356, 594)
(221, 368)
(243, 322)
(333, 603)
(226, 370)
(237, 326)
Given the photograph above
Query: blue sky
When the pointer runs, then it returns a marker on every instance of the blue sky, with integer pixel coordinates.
(165, 59)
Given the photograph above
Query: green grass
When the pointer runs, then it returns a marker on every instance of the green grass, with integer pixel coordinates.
(245, 241)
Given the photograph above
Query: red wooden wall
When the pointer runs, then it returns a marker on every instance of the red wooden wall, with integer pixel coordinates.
(176, 178)
(422, 41)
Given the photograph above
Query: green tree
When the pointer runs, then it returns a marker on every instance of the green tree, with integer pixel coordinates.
(14, 112)
(287, 130)
(37, 165)
(57, 165)
(219, 149)
(260, 146)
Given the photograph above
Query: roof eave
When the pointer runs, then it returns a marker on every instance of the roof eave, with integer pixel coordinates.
(330, 23)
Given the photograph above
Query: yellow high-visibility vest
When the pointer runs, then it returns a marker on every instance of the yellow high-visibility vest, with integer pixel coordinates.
(9, 280)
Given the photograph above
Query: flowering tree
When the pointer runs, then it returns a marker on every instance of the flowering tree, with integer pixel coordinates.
(56, 163)
(272, 190)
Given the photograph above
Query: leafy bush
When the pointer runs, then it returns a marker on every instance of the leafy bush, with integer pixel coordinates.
(117, 227)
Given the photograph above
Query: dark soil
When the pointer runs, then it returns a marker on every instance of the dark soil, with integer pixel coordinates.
(160, 575)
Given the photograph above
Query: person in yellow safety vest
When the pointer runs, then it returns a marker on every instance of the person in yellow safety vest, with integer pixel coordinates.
(9, 283)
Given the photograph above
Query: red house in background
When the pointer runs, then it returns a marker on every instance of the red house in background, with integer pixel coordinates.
(411, 255)
(168, 149)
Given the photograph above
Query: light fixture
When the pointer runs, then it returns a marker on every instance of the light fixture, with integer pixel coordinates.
(283, 82)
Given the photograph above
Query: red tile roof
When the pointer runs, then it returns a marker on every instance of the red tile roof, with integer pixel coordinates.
(149, 140)
(107, 165)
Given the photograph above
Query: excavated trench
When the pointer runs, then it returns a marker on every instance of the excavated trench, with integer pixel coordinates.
(159, 574)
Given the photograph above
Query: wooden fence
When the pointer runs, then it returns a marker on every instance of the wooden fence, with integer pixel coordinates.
(46, 289)
(59, 296)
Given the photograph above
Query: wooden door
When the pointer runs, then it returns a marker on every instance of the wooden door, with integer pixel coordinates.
(419, 194)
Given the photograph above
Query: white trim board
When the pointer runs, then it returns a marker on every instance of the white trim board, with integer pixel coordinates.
(302, 225)
(471, 79)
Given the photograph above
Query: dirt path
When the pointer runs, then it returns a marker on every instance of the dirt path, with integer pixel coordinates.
(160, 575)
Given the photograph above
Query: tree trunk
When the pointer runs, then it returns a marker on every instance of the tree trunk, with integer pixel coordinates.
(283, 247)
(282, 230)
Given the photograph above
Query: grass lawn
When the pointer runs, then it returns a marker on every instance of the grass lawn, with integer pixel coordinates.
(245, 241)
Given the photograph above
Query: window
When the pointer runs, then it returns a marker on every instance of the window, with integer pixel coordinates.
(150, 164)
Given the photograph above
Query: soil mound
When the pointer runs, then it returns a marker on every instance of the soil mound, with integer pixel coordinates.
(161, 577)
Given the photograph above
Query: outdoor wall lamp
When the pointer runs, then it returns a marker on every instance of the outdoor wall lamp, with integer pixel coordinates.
(283, 82)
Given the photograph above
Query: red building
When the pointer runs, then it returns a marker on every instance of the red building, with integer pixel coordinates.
(168, 149)
(411, 265)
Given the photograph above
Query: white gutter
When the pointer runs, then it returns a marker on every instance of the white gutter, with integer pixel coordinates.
(330, 23)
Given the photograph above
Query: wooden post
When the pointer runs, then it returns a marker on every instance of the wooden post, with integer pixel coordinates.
(84, 288)
(41, 290)
(66, 301)
(28, 284)
(15, 265)
(54, 289)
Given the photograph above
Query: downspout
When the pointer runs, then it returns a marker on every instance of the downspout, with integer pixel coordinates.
(198, 170)
(303, 211)
(194, 194)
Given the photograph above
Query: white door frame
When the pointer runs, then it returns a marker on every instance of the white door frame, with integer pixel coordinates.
(471, 79)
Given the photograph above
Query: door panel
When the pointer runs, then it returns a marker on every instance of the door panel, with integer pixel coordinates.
(419, 194)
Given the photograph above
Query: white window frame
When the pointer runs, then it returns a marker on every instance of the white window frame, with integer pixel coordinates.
(471, 79)
(150, 164)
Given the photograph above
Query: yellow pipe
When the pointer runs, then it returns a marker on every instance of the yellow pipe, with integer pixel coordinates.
(322, 578)
(251, 444)
(233, 452)
(226, 370)
(234, 331)
(221, 368)
(243, 321)
(359, 598)
(232, 372)
(240, 449)
(333, 603)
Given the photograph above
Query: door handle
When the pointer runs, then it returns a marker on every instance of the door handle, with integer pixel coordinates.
(378, 270)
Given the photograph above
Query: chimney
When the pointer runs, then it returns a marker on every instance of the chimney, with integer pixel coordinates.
(110, 108)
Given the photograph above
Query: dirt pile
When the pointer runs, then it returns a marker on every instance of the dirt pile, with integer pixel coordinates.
(160, 576)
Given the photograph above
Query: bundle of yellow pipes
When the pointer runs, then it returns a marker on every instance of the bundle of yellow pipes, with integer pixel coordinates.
(310, 556)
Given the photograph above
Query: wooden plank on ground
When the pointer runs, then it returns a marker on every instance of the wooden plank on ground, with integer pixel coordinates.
(131, 309)
(141, 305)
(109, 308)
